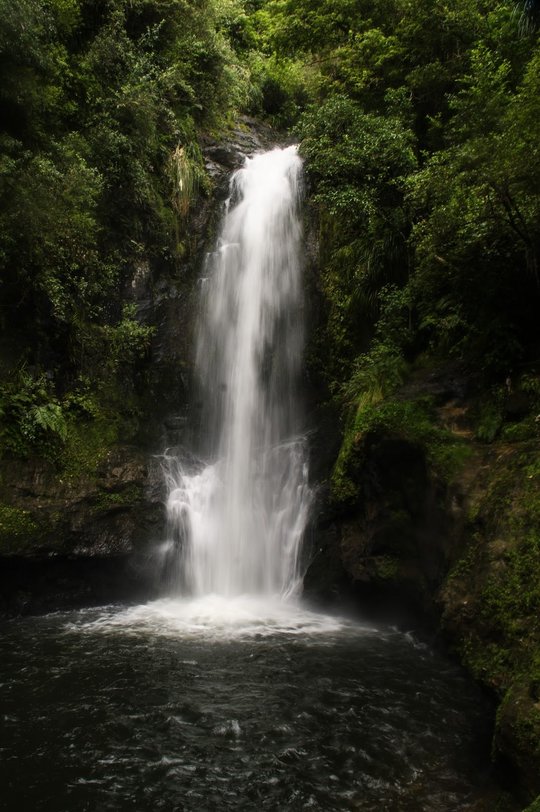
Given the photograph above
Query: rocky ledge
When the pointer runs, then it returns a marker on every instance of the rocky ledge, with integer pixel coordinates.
(76, 540)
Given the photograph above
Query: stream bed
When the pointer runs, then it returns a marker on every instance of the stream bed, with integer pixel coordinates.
(233, 705)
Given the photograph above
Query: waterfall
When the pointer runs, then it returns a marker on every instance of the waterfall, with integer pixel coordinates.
(240, 517)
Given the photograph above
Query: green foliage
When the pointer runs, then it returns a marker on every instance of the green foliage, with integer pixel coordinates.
(110, 500)
(476, 234)
(18, 529)
(504, 575)
(367, 395)
(500, 578)
(379, 372)
(356, 162)
(421, 152)
(420, 142)
(31, 418)
(73, 431)
(128, 340)
(375, 375)
(47, 418)
(87, 445)
(49, 237)
(364, 48)
(100, 109)
(279, 88)
(490, 415)
(521, 431)
(508, 600)
(413, 420)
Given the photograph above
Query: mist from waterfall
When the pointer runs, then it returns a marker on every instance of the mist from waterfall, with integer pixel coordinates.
(241, 516)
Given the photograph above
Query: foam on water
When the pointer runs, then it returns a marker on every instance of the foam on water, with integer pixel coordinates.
(215, 617)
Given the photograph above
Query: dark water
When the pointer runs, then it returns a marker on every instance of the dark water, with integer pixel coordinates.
(156, 708)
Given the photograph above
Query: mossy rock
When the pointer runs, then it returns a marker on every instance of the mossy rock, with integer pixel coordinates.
(19, 530)
(517, 731)
(492, 598)
(386, 568)
(129, 496)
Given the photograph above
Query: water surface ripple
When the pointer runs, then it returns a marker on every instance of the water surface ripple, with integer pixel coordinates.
(205, 706)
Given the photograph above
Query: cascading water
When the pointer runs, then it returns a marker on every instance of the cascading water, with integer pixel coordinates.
(240, 519)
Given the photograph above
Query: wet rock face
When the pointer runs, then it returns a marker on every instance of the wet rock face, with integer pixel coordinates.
(398, 538)
(112, 513)
(489, 602)
(166, 295)
(72, 541)
(228, 154)
(402, 529)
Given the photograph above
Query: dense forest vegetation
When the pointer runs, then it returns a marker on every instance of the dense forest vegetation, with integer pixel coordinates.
(419, 125)
(101, 107)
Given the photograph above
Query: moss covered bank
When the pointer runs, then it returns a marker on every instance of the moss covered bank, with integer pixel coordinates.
(435, 499)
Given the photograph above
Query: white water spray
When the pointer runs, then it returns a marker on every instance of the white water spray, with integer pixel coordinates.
(241, 518)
